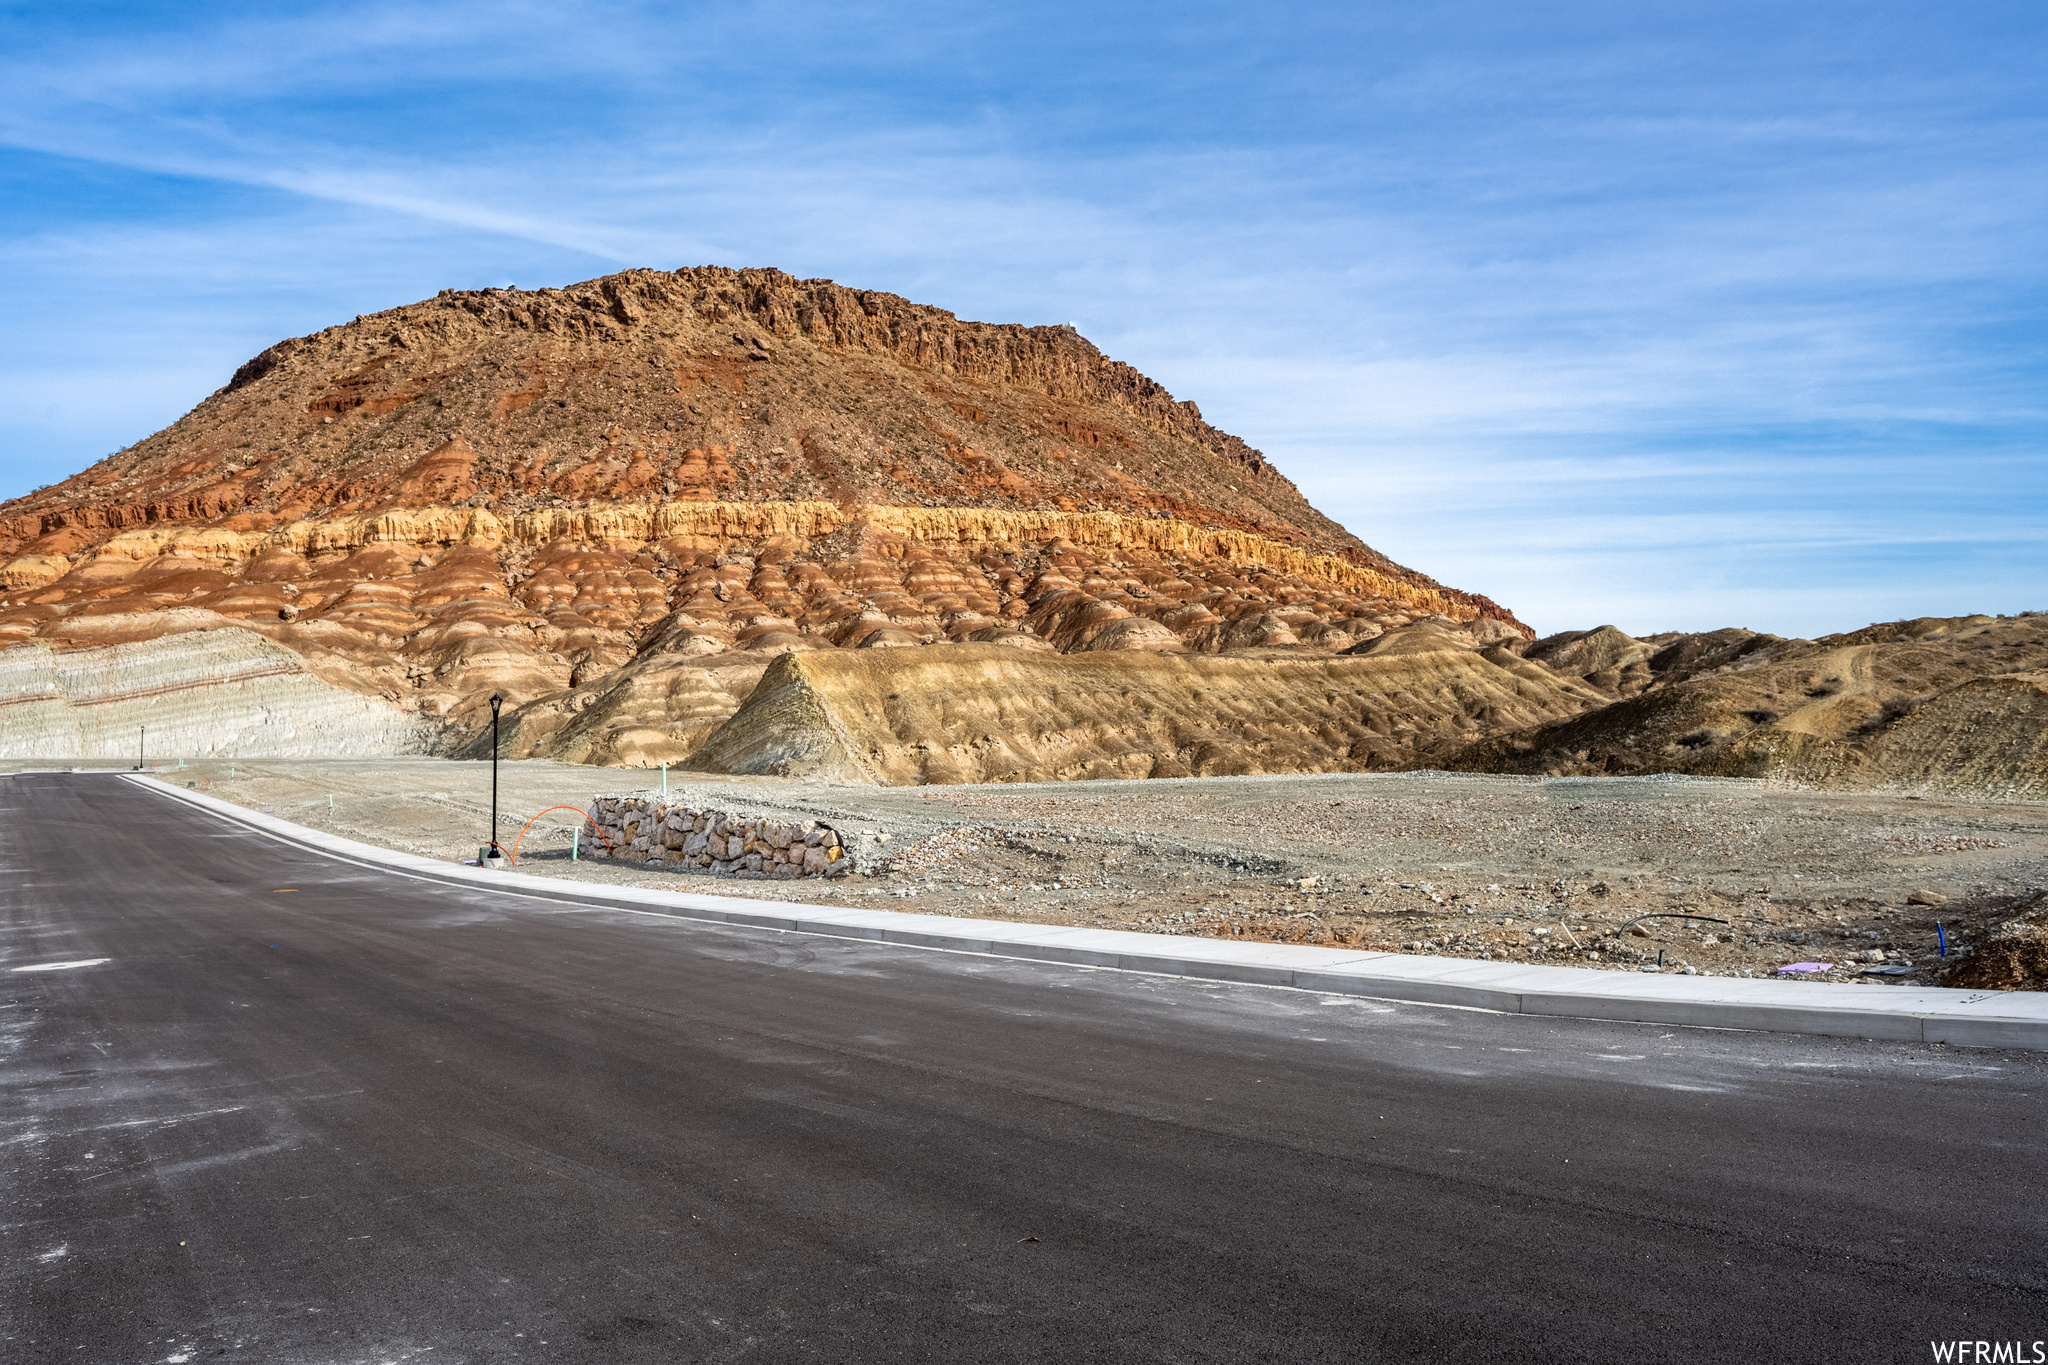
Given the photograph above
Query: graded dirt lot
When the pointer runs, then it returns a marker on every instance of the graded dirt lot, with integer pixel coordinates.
(1555, 870)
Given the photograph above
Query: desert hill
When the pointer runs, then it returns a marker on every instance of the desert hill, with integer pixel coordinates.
(981, 713)
(1954, 705)
(1946, 703)
(615, 503)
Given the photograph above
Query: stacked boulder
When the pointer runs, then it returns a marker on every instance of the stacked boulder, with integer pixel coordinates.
(642, 829)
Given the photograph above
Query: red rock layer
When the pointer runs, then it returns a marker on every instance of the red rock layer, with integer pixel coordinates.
(493, 489)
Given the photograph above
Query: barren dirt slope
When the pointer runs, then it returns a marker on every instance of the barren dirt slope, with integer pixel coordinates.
(1951, 703)
(982, 713)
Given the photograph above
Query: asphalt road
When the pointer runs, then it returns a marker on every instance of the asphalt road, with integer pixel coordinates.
(311, 1112)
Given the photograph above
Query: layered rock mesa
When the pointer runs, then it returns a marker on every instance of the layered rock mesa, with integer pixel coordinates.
(683, 475)
(1954, 705)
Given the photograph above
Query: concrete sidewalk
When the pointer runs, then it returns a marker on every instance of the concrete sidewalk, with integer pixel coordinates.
(1897, 1013)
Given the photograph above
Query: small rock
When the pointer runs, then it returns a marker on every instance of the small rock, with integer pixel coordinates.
(1933, 898)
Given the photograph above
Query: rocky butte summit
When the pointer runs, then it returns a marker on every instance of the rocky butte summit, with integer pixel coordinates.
(616, 503)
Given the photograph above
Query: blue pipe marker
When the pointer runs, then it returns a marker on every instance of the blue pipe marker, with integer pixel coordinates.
(1941, 938)
(575, 838)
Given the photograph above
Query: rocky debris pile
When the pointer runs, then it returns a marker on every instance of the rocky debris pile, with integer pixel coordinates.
(2013, 956)
(646, 830)
(961, 849)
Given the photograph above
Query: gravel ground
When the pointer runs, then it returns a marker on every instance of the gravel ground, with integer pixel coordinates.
(1504, 868)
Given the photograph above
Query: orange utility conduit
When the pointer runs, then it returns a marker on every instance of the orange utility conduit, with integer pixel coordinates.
(580, 811)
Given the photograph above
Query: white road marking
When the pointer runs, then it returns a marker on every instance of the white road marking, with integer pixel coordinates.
(63, 966)
(161, 1122)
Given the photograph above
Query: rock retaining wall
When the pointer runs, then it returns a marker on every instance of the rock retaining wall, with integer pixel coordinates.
(645, 830)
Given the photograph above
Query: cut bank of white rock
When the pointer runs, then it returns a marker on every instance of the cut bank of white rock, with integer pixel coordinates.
(218, 693)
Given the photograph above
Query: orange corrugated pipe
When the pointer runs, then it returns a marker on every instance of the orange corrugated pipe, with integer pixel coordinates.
(586, 820)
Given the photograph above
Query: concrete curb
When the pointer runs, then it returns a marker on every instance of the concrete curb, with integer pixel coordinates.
(1921, 1014)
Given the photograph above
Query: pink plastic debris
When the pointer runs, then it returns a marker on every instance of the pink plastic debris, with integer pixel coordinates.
(1806, 967)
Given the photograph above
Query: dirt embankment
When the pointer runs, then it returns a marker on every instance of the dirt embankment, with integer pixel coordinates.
(984, 713)
(227, 692)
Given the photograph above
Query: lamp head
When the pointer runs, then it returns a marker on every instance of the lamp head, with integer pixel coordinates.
(496, 702)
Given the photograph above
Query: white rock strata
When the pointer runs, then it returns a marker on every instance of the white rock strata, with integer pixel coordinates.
(219, 693)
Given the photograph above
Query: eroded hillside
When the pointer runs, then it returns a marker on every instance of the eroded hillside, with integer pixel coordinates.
(556, 494)
(1948, 703)
(981, 713)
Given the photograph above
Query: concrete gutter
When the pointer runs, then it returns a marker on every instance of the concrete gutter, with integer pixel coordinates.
(1916, 1014)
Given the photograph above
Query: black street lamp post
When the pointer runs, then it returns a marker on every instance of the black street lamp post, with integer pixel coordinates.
(496, 702)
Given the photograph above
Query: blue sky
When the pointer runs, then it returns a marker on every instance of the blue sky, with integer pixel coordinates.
(1672, 315)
